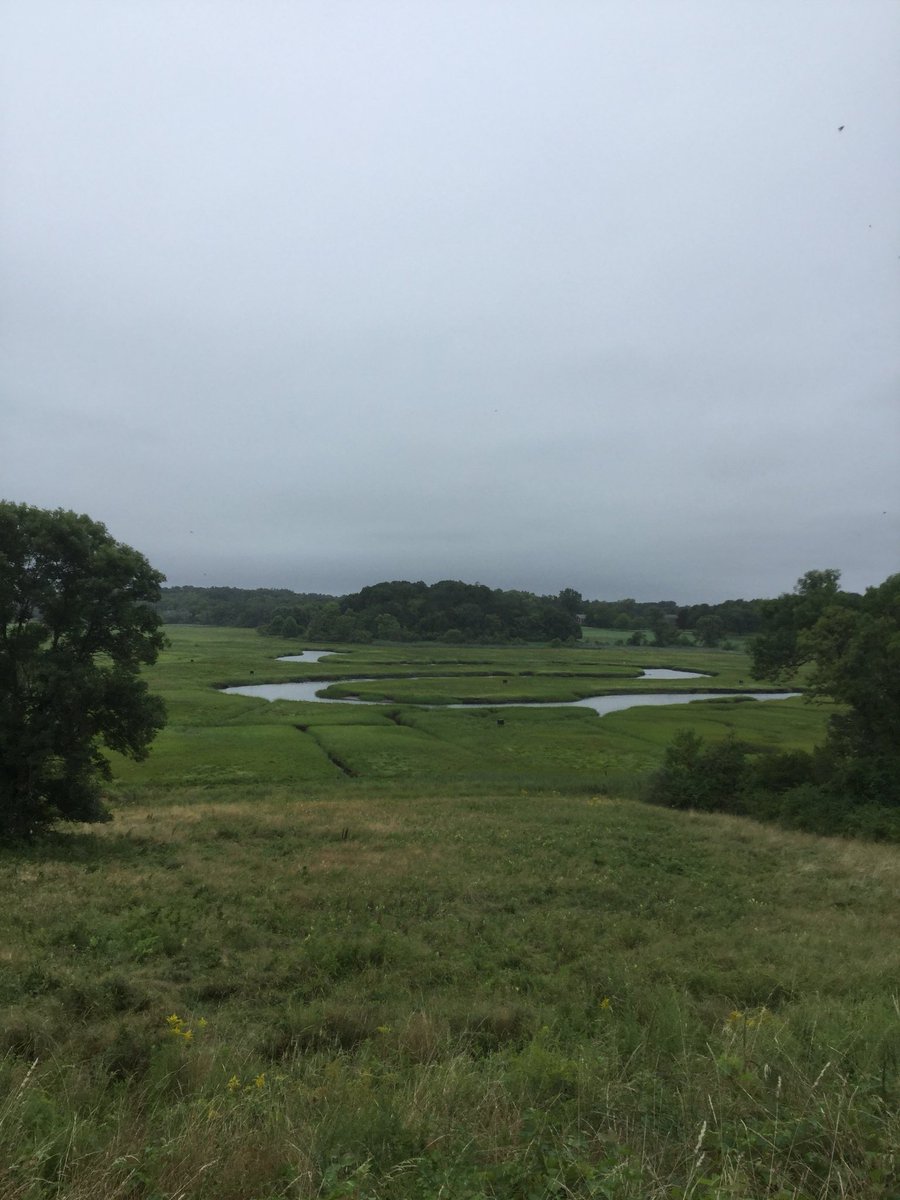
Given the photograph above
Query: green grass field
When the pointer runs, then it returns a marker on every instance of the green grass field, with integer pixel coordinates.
(219, 739)
(393, 953)
(606, 637)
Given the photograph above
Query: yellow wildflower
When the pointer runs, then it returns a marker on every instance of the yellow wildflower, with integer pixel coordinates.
(233, 1083)
(606, 1003)
(260, 1080)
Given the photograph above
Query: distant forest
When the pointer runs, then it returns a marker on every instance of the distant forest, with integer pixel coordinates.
(451, 611)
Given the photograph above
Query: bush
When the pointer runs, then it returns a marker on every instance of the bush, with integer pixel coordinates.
(780, 772)
(813, 809)
(693, 775)
(802, 791)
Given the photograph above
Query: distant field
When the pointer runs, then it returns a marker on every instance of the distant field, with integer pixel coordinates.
(345, 952)
(213, 738)
(608, 637)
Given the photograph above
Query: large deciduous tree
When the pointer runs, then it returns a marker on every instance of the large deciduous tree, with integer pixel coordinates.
(76, 625)
(852, 644)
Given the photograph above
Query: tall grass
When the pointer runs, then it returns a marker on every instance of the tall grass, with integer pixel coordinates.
(400, 954)
(376, 993)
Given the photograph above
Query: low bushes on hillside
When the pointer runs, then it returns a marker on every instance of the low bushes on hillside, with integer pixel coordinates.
(817, 792)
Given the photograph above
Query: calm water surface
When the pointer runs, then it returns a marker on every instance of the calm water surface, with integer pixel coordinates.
(308, 691)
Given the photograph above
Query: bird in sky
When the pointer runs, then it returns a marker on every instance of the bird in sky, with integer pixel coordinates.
(840, 129)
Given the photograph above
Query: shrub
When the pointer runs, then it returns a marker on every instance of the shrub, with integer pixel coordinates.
(780, 772)
(811, 792)
(697, 776)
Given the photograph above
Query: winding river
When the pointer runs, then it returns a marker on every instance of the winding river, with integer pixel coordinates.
(308, 691)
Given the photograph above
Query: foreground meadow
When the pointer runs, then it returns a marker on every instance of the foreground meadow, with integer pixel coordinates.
(450, 981)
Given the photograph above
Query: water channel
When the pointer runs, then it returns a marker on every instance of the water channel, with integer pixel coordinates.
(308, 690)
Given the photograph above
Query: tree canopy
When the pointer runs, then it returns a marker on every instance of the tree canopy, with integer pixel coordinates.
(851, 645)
(447, 611)
(501, 616)
(76, 625)
(242, 608)
(848, 649)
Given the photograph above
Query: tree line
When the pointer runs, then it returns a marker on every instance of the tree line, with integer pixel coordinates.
(240, 608)
(709, 624)
(448, 611)
(454, 611)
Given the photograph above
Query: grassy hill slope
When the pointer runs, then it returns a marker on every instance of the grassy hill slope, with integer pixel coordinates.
(414, 984)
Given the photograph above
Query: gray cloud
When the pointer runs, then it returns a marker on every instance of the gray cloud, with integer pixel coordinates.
(542, 295)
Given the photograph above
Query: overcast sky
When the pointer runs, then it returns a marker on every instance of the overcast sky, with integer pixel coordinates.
(600, 294)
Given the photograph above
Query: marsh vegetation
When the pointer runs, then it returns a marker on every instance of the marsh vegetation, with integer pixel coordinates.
(390, 953)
